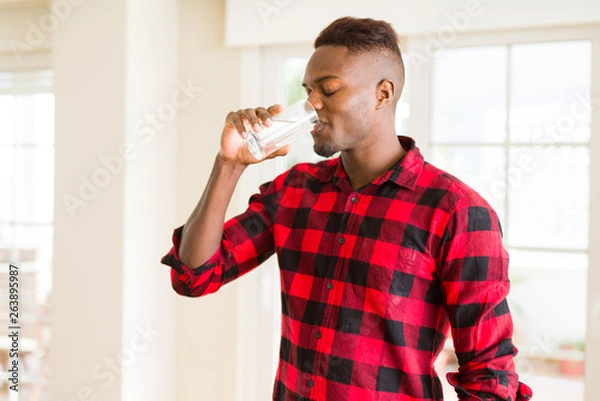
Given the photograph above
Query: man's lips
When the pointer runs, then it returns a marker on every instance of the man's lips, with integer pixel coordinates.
(317, 128)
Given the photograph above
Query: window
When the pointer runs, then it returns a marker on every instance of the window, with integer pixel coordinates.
(26, 212)
(514, 122)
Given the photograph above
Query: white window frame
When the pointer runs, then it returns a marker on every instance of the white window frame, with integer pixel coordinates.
(421, 120)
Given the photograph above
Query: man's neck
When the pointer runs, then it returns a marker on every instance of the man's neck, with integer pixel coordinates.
(365, 165)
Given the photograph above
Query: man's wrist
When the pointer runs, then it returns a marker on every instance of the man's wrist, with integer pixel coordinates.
(229, 165)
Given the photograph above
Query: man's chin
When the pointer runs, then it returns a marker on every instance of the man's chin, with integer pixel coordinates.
(324, 151)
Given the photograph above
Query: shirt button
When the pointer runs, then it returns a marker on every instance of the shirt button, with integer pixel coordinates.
(329, 286)
(355, 200)
(318, 334)
(341, 240)
(311, 383)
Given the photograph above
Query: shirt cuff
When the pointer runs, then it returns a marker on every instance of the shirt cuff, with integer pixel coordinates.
(172, 257)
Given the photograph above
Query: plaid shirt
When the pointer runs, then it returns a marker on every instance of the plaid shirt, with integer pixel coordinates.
(372, 281)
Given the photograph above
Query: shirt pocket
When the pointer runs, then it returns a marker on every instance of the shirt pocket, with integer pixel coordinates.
(398, 270)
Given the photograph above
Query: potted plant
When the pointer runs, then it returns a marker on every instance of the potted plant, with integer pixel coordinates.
(571, 359)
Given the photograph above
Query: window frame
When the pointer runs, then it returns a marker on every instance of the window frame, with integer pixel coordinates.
(421, 122)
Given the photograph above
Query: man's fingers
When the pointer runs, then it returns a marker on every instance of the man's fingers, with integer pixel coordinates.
(253, 120)
(274, 109)
(256, 118)
(234, 120)
(264, 115)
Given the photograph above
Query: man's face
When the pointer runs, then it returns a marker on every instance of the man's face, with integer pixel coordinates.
(340, 87)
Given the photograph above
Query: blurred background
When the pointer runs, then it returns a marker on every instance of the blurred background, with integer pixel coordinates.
(110, 117)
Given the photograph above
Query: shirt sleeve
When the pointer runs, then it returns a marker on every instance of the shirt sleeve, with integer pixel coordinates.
(475, 283)
(247, 241)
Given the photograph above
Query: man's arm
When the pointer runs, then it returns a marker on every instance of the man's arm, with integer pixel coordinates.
(208, 252)
(201, 235)
(475, 283)
(202, 232)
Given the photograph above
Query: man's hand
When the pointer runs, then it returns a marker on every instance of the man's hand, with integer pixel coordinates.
(233, 146)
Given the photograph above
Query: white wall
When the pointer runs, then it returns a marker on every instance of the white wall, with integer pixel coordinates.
(15, 23)
(151, 76)
(206, 327)
(87, 295)
(22, 45)
(287, 21)
(113, 315)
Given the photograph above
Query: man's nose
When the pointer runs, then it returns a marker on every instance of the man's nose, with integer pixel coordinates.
(315, 100)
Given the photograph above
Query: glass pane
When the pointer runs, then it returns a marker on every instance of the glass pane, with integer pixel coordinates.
(469, 95)
(481, 167)
(548, 302)
(7, 239)
(7, 119)
(549, 197)
(26, 179)
(34, 244)
(550, 92)
(34, 184)
(403, 107)
(293, 73)
(548, 260)
(35, 119)
(7, 183)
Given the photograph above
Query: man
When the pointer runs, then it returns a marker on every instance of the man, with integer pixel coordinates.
(380, 253)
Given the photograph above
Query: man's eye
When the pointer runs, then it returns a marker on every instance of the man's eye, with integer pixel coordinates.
(328, 93)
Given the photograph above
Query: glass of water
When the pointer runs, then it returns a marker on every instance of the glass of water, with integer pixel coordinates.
(295, 120)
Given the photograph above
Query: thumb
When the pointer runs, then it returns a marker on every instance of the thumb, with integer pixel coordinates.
(274, 109)
(280, 152)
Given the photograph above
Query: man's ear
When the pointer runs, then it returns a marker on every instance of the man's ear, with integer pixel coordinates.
(386, 91)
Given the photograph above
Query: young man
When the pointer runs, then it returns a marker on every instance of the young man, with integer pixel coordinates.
(381, 254)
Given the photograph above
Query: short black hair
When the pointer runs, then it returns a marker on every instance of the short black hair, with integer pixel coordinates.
(360, 34)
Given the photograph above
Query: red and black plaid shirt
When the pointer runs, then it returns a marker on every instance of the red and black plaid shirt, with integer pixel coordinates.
(372, 280)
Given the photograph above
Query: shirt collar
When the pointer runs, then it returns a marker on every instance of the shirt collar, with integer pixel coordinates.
(404, 173)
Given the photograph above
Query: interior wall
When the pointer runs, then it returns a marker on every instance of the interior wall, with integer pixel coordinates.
(21, 26)
(294, 21)
(87, 294)
(23, 44)
(150, 193)
(206, 332)
(113, 324)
